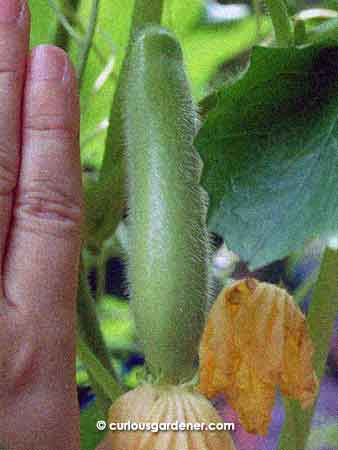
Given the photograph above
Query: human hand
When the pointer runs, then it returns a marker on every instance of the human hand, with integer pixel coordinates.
(40, 221)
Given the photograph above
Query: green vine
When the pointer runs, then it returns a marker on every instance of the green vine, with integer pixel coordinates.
(87, 42)
(64, 29)
(321, 318)
(102, 376)
(90, 333)
(281, 22)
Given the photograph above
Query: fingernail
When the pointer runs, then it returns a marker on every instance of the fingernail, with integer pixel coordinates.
(48, 63)
(10, 10)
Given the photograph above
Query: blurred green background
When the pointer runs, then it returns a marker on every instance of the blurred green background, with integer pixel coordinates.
(214, 36)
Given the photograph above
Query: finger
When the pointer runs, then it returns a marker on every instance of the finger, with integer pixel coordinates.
(41, 263)
(43, 252)
(14, 31)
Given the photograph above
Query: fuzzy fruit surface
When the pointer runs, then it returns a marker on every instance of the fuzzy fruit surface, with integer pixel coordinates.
(167, 207)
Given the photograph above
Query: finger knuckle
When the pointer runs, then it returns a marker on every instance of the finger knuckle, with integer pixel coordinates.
(50, 207)
(50, 125)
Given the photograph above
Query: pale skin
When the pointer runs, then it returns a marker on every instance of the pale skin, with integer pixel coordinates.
(40, 239)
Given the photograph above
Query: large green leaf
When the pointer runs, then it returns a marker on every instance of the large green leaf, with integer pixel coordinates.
(270, 148)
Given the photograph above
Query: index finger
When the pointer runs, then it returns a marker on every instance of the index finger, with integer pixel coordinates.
(40, 270)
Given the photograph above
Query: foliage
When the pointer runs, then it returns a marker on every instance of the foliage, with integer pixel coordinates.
(270, 153)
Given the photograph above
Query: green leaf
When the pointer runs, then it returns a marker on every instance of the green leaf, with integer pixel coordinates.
(270, 149)
(90, 436)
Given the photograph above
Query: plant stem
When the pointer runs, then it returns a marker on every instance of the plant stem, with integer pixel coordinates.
(62, 35)
(258, 15)
(89, 324)
(108, 196)
(102, 376)
(68, 20)
(324, 308)
(281, 22)
(303, 290)
(100, 275)
(321, 319)
(89, 331)
(87, 43)
(300, 32)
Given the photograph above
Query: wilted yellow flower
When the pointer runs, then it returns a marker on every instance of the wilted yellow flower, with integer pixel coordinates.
(166, 404)
(256, 339)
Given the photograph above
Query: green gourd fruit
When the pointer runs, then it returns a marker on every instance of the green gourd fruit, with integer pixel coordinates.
(168, 243)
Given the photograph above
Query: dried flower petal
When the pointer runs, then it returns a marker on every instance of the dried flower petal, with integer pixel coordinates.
(256, 339)
(166, 404)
